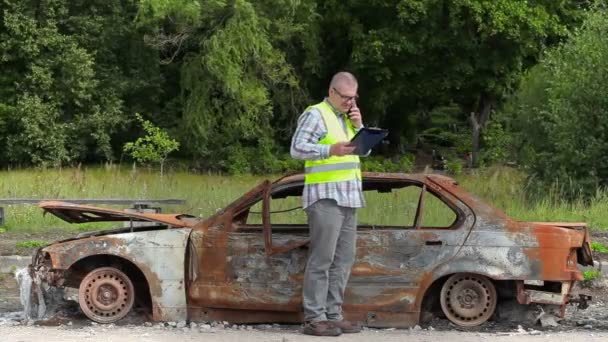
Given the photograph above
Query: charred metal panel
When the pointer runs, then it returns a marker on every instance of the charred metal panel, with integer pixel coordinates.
(76, 213)
(158, 254)
(495, 262)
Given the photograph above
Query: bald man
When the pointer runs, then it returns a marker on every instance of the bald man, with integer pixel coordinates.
(332, 193)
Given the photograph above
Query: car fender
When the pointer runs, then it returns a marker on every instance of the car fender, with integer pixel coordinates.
(159, 254)
(497, 263)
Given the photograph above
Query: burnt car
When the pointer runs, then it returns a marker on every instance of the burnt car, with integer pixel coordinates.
(424, 244)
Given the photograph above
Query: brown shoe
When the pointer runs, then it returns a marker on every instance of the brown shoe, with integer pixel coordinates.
(321, 328)
(347, 327)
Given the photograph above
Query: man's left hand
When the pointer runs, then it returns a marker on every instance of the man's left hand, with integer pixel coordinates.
(355, 117)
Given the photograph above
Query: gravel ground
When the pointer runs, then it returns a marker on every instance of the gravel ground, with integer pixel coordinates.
(281, 334)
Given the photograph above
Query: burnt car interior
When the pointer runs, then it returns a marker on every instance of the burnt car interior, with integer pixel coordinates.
(390, 204)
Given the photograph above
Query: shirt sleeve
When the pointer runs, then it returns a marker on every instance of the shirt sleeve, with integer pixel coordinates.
(305, 142)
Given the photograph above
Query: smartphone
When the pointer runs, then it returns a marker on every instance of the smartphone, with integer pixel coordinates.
(354, 105)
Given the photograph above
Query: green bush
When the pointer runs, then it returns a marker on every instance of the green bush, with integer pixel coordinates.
(599, 247)
(495, 143)
(559, 113)
(589, 277)
(454, 166)
(381, 164)
(237, 162)
(153, 147)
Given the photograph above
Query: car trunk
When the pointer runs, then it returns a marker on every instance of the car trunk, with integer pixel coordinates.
(583, 251)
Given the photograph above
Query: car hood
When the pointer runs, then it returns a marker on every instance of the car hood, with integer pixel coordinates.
(75, 213)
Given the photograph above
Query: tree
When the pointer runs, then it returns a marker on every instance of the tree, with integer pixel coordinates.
(69, 70)
(560, 112)
(231, 74)
(154, 147)
(413, 56)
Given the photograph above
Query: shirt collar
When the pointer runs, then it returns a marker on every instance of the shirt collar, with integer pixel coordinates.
(337, 112)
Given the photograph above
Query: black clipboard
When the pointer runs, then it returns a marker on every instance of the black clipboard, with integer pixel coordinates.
(366, 138)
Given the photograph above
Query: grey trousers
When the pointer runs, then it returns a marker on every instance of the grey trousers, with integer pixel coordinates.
(333, 235)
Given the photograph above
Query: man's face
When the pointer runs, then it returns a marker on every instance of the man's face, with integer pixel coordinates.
(343, 96)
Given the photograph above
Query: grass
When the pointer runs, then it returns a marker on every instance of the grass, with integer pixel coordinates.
(206, 193)
(589, 277)
(31, 244)
(599, 247)
(505, 188)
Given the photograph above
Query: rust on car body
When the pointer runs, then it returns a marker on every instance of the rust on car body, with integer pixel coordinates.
(233, 268)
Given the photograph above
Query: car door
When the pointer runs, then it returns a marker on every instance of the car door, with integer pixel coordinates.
(235, 277)
(407, 229)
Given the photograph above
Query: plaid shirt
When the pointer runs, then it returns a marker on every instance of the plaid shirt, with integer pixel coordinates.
(305, 146)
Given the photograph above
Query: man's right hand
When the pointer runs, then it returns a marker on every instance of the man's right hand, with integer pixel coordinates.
(341, 149)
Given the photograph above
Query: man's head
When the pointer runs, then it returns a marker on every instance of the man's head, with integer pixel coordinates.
(343, 91)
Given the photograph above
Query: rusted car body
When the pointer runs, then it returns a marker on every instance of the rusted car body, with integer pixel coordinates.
(448, 251)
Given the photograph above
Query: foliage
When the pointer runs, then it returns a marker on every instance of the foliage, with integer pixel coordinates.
(154, 147)
(67, 73)
(561, 110)
(403, 164)
(31, 244)
(589, 277)
(454, 167)
(415, 55)
(599, 247)
(496, 143)
(229, 79)
(231, 72)
(502, 187)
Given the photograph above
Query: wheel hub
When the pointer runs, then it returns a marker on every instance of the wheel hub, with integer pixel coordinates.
(468, 299)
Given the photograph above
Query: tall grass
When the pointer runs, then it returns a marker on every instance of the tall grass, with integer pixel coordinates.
(206, 193)
(506, 189)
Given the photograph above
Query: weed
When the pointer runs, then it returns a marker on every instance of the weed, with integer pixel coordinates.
(589, 277)
(599, 247)
(31, 244)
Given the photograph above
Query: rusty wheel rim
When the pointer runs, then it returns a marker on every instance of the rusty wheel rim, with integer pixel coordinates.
(106, 295)
(468, 299)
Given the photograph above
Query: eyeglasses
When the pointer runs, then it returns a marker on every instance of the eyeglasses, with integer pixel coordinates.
(344, 97)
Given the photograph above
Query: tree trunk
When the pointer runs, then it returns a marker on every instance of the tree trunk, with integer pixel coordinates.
(479, 118)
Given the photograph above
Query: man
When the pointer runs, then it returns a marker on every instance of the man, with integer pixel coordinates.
(332, 193)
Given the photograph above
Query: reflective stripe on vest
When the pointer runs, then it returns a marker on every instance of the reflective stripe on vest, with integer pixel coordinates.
(332, 169)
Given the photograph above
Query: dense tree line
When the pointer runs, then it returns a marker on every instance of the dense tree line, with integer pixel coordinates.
(559, 115)
(228, 78)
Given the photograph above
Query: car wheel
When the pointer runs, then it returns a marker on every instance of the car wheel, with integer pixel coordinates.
(106, 295)
(468, 299)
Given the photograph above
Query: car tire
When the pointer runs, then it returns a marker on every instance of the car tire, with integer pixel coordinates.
(106, 295)
(468, 299)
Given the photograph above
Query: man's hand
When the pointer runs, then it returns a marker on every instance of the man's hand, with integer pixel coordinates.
(355, 117)
(342, 148)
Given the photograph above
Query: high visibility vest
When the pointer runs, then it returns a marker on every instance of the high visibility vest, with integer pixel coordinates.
(334, 168)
